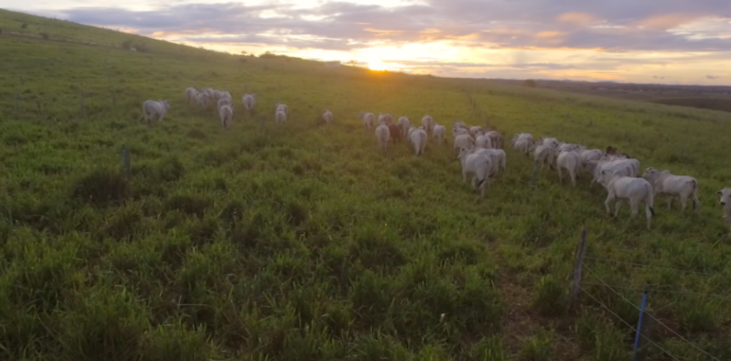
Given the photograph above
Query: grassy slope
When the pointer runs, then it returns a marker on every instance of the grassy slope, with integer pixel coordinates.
(304, 242)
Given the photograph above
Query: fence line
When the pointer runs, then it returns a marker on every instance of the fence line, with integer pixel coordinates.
(628, 325)
(654, 290)
(649, 314)
(648, 265)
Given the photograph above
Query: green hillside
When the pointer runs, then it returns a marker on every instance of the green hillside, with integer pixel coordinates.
(303, 242)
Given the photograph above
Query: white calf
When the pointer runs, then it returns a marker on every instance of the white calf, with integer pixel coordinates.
(634, 190)
(681, 186)
(428, 123)
(463, 141)
(404, 123)
(545, 154)
(439, 133)
(483, 141)
(725, 201)
(151, 108)
(369, 119)
(203, 99)
(328, 116)
(383, 135)
(478, 165)
(280, 116)
(498, 158)
(418, 140)
(190, 94)
(571, 161)
(249, 101)
(226, 113)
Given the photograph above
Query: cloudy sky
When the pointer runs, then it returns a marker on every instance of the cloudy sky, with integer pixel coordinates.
(659, 41)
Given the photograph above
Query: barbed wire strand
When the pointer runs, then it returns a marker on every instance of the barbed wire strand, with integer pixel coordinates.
(654, 290)
(628, 325)
(648, 265)
(651, 316)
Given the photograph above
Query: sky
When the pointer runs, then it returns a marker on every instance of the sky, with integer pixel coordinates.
(644, 41)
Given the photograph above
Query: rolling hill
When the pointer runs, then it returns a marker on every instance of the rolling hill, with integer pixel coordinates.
(303, 242)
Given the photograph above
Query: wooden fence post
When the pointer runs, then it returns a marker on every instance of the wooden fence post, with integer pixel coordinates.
(578, 266)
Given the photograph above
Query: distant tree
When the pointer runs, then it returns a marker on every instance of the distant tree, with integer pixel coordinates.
(243, 53)
(529, 83)
(44, 35)
(23, 25)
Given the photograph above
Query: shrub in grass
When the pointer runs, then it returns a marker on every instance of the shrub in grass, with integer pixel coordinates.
(538, 348)
(101, 187)
(488, 349)
(551, 296)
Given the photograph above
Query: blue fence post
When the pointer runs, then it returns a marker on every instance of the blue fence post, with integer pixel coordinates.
(639, 324)
(127, 162)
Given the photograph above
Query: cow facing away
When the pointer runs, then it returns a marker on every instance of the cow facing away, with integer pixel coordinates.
(152, 108)
(631, 189)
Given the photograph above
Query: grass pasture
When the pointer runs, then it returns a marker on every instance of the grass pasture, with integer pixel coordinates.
(304, 243)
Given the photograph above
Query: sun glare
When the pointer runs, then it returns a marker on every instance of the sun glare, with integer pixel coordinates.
(378, 65)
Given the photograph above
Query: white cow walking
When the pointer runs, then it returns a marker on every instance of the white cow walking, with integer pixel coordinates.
(631, 189)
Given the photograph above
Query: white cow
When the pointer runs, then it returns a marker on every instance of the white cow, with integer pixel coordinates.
(463, 141)
(428, 123)
(681, 186)
(725, 201)
(439, 133)
(474, 130)
(383, 135)
(152, 108)
(385, 118)
(190, 94)
(631, 189)
(226, 113)
(483, 141)
(495, 139)
(625, 167)
(249, 101)
(498, 158)
(477, 165)
(523, 142)
(369, 119)
(280, 116)
(203, 99)
(283, 107)
(545, 154)
(571, 161)
(327, 116)
(588, 155)
(224, 101)
(418, 140)
(404, 123)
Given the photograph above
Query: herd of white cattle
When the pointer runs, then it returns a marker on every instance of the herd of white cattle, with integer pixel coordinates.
(482, 157)
(481, 153)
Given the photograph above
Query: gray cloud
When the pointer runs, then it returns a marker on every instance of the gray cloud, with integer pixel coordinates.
(622, 25)
(712, 77)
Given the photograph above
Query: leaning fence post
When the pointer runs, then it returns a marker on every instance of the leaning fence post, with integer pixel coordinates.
(639, 324)
(578, 266)
(127, 161)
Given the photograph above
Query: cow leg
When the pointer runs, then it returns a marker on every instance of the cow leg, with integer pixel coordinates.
(634, 204)
(617, 205)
